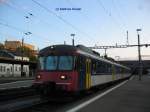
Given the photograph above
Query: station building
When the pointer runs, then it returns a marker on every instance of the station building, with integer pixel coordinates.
(12, 70)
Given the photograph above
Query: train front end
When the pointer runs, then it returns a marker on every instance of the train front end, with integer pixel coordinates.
(56, 71)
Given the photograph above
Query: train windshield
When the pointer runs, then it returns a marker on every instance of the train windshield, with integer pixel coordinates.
(65, 63)
(51, 63)
(56, 63)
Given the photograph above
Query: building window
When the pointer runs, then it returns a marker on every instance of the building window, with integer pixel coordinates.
(4, 68)
(11, 69)
(15, 68)
(19, 68)
(0, 68)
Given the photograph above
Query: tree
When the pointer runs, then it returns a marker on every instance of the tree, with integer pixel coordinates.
(27, 52)
(2, 47)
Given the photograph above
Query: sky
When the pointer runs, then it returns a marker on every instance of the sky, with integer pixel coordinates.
(94, 22)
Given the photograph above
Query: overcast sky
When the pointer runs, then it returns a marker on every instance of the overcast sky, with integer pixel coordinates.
(94, 22)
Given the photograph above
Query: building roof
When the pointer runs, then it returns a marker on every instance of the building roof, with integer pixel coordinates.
(6, 54)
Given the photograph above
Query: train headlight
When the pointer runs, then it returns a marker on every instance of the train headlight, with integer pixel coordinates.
(63, 77)
(38, 76)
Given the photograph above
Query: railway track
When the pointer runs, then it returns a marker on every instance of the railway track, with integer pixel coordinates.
(57, 104)
(31, 102)
(10, 94)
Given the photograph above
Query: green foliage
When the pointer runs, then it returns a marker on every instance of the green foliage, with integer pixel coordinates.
(33, 58)
(27, 52)
(2, 47)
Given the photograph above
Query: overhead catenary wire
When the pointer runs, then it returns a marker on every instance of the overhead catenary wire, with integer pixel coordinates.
(7, 35)
(19, 9)
(118, 13)
(26, 14)
(12, 27)
(63, 20)
(30, 13)
(82, 13)
(20, 30)
(110, 15)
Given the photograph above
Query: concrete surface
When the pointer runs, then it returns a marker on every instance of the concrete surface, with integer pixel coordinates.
(134, 96)
(16, 84)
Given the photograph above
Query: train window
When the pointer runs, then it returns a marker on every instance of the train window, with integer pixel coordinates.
(65, 63)
(118, 69)
(41, 62)
(100, 67)
(51, 62)
(109, 68)
(103, 67)
(93, 66)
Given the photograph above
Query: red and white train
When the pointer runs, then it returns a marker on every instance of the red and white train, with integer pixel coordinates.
(74, 69)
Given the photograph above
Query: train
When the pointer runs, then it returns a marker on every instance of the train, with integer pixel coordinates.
(74, 69)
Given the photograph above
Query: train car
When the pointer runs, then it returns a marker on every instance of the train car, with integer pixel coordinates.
(74, 69)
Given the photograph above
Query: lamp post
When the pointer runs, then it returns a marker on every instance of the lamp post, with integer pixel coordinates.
(139, 55)
(22, 43)
(105, 52)
(22, 51)
(73, 38)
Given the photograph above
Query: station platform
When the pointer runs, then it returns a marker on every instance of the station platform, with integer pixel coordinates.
(14, 79)
(14, 82)
(133, 96)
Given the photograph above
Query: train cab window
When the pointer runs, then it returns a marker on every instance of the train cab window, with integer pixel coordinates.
(65, 63)
(51, 62)
(41, 62)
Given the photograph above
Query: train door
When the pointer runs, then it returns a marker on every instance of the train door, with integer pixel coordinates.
(88, 73)
(82, 72)
(113, 72)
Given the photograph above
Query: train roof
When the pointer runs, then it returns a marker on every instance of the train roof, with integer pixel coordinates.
(66, 49)
(57, 48)
(79, 49)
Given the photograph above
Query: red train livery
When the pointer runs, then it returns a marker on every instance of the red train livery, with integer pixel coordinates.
(74, 68)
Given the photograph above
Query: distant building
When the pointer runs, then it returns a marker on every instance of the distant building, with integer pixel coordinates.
(13, 45)
(31, 47)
